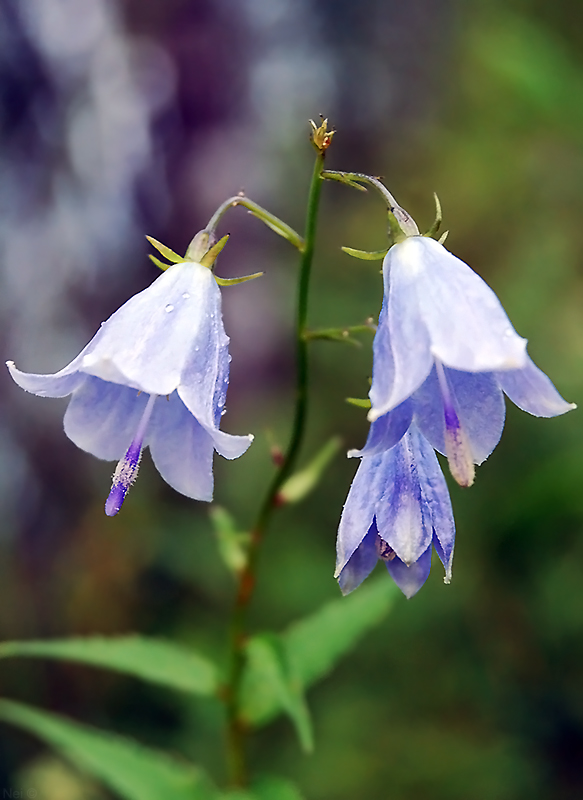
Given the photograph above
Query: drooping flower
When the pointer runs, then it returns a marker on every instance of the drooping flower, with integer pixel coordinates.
(397, 510)
(154, 375)
(445, 347)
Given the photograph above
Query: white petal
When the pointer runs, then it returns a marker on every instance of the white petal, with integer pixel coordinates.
(148, 342)
(467, 326)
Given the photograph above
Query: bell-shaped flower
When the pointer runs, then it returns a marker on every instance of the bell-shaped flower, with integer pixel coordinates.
(397, 510)
(445, 347)
(154, 375)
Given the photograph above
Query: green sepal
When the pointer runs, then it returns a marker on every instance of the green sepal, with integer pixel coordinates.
(443, 237)
(341, 178)
(269, 676)
(166, 251)
(365, 255)
(128, 768)
(301, 483)
(359, 402)
(155, 660)
(211, 255)
(159, 263)
(235, 281)
(438, 218)
(232, 543)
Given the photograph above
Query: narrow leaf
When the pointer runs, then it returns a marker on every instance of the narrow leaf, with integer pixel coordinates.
(365, 255)
(166, 251)
(316, 643)
(302, 483)
(152, 660)
(313, 646)
(132, 771)
(268, 678)
(232, 543)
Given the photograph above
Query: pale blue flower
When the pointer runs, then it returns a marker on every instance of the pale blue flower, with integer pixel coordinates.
(154, 375)
(445, 347)
(397, 510)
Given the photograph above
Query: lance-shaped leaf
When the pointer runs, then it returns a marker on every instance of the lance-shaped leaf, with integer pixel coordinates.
(153, 660)
(130, 770)
(270, 678)
(266, 788)
(232, 542)
(313, 646)
(302, 483)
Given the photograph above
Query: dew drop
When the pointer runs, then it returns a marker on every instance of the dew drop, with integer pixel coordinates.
(186, 296)
(169, 308)
(223, 412)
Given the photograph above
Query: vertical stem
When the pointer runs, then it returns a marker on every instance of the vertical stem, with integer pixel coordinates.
(247, 578)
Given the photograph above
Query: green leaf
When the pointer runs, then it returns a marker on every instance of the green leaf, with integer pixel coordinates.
(152, 660)
(232, 543)
(365, 255)
(266, 788)
(269, 678)
(132, 771)
(301, 484)
(166, 251)
(316, 643)
(312, 647)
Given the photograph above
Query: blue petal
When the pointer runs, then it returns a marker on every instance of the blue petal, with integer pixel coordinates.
(402, 515)
(435, 496)
(386, 431)
(181, 449)
(358, 513)
(402, 356)
(58, 385)
(360, 564)
(102, 417)
(467, 326)
(479, 404)
(531, 390)
(410, 579)
(150, 340)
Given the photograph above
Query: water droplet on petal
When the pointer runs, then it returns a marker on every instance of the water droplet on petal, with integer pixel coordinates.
(223, 412)
(169, 308)
(186, 296)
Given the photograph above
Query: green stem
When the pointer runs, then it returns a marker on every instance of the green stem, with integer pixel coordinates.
(273, 222)
(247, 578)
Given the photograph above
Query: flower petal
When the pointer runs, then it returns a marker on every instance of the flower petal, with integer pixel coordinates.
(60, 384)
(181, 449)
(410, 579)
(402, 515)
(435, 496)
(358, 512)
(402, 356)
(102, 417)
(467, 326)
(360, 564)
(386, 431)
(531, 390)
(479, 404)
(148, 342)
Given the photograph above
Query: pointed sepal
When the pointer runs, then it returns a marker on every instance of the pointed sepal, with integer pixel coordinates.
(365, 255)
(160, 264)
(211, 255)
(166, 251)
(438, 219)
(235, 281)
(359, 402)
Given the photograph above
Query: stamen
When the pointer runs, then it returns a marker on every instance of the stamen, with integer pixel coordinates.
(457, 446)
(384, 551)
(126, 471)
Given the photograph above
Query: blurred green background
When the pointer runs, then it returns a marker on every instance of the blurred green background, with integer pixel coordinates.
(120, 119)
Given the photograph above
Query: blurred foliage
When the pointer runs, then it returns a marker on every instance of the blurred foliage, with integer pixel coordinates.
(471, 690)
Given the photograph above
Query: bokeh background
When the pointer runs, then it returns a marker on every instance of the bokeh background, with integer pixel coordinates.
(120, 118)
